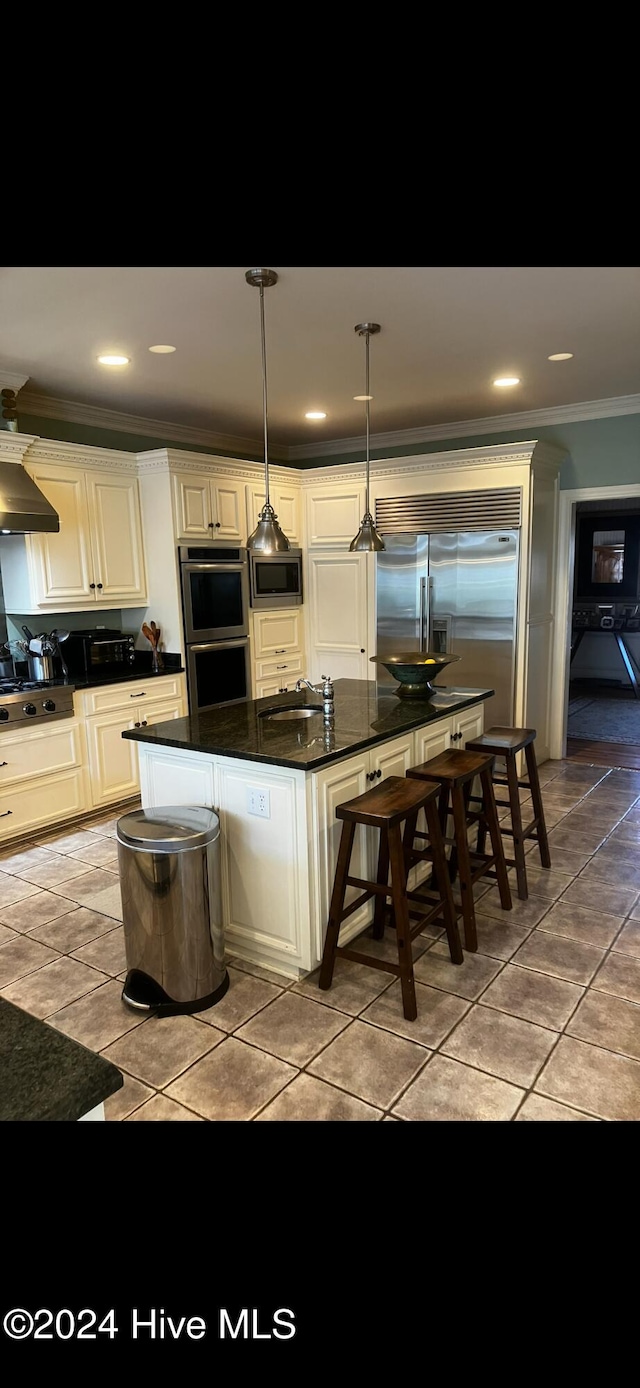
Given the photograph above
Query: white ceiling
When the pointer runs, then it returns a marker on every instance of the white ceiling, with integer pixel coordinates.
(446, 332)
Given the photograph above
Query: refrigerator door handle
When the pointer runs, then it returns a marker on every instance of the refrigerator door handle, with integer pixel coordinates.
(430, 617)
(423, 612)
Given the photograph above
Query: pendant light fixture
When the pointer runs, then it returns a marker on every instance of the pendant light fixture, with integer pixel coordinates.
(267, 538)
(367, 537)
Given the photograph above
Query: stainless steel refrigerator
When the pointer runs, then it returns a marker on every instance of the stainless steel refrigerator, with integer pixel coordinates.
(455, 593)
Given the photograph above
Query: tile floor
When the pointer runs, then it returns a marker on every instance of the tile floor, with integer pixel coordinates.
(542, 1024)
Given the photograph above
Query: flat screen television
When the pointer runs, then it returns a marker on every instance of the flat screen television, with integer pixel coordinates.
(607, 557)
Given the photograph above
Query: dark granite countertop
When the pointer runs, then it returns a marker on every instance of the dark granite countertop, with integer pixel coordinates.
(365, 714)
(141, 670)
(44, 1075)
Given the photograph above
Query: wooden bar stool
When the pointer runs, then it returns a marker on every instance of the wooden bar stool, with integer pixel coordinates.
(454, 773)
(507, 742)
(388, 806)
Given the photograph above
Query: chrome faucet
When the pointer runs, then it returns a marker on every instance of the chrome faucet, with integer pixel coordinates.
(325, 689)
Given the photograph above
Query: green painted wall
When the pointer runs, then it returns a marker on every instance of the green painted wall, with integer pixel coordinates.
(601, 452)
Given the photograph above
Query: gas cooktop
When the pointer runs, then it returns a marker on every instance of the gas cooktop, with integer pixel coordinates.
(24, 700)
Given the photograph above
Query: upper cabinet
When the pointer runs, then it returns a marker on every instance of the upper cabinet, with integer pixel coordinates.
(334, 513)
(95, 559)
(285, 500)
(208, 508)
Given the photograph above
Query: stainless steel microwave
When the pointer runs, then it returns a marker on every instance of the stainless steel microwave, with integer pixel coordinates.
(276, 579)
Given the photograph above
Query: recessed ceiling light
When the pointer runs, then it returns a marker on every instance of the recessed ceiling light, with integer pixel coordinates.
(110, 359)
(560, 356)
(162, 347)
(315, 414)
(363, 397)
(507, 381)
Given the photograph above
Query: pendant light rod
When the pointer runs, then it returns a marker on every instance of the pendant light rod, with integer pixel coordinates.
(267, 538)
(367, 537)
(264, 392)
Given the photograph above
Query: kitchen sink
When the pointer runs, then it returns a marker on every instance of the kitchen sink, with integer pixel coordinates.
(282, 715)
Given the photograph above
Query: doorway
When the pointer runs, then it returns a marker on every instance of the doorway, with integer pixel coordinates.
(595, 700)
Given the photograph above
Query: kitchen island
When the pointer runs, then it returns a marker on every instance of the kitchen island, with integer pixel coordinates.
(276, 785)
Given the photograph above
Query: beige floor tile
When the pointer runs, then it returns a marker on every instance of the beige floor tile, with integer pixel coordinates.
(7, 935)
(466, 980)
(102, 853)
(438, 1012)
(293, 1028)
(159, 1050)
(387, 947)
(523, 913)
(13, 862)
(22, 956)
(566, 860)
(163, 1110)
(129, 1097)
(89, 885)
(308, 1100)
(609, 868)
(587, 819)
(576, 923)
(98, 1019)
(232, 1083)
(626, 832)
(497, 937)
(372, 1064)
(107, 952)
(535, 1109)
(628, 941)
(109, 902)
(52, 987)
(34, 911)
(70, 842)
(446, 1091)
(57, 870)
(506, 1046)
(106, 827)
(563, 958)
(600, 896)
(620, 975)
(533, 996)
(353, 986)
(593, 1080)
(245, 996)
(607, 1021)
(269, 975)
(547, 882)
(14, 889)
(68, 932)
(565, 836)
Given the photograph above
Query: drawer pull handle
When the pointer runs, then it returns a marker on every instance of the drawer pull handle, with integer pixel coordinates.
(281, 667)
(144, 722)
(4, 763)
(6, 812)
(136, 725)
(282, 652)
(142, 695)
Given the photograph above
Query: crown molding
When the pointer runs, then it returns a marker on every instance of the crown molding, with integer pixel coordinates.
(50, 407)
(529, 452)
(558, 414)
(179, 460)
(12, 380)
(13, 446)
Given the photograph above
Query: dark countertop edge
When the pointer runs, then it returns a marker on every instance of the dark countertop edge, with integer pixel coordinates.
(318, 762)
(55, 1078)
(125, 679)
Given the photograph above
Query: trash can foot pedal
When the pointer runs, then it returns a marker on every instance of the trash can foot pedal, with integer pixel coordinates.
(141, 992)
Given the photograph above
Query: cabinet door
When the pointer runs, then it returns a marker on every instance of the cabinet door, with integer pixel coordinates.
(432, 740)
(114, 505)
(227, 509)
(162, 711)
(265, 689)
(192, 496)
(337, 616)
(334, 514)
(63, 562)
(392, 758)
(277, 632)
(333, 786)
(113, 762)
(470, 724)
(286, 504)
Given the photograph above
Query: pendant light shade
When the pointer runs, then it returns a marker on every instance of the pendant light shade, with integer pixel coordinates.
(267, 538)
(367, 537)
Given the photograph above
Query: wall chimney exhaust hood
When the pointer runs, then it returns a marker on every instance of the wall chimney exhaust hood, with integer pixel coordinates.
(24, 510)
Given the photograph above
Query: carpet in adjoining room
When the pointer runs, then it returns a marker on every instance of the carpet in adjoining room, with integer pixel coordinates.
(605, 720)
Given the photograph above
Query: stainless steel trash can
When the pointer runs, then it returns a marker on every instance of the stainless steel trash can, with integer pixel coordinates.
(169, 860)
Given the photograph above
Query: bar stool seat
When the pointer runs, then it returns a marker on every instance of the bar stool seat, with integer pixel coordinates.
(388, 806)
(506, 743)
(454, 773)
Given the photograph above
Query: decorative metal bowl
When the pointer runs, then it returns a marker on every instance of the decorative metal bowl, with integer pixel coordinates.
(415, 671)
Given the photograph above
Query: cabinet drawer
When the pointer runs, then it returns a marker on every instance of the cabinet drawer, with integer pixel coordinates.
(159, 711)
(37, 753)
(288, 666)
(277, 633)
(44, 800)
(126, 695)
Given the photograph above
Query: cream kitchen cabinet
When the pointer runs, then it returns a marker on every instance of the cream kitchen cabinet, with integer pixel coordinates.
(333, 513)
(112, 760)
(286, 504)
(277, 650)
(95, 560)
(208, 508)
(42, 776)
(337, 584)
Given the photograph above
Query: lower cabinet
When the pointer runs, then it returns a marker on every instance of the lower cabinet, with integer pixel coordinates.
(113, 759)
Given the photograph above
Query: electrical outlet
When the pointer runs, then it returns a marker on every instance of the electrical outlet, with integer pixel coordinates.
(259, 802)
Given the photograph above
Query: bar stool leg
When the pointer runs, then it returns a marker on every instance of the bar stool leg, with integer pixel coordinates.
(441, 871)
(464, 868)
(337, 904)
(401, 913)
(538, 810)
(383, 877)
(491, 816)
(516, 825)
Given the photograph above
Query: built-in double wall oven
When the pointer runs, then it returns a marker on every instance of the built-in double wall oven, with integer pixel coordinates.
(215, 604)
